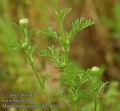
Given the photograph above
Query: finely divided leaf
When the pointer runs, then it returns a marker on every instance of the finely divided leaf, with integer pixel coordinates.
(48, 32)
(79, 25)
(61, 14)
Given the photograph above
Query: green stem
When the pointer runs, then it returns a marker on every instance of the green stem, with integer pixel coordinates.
(95, 105)
(40, 83)
(97, 97)
(49, 101)
(35, 72)
(76, 107)
(33, 67)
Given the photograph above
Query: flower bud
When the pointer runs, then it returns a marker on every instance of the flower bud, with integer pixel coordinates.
(23, 21)
(24, 44)
(95, 68)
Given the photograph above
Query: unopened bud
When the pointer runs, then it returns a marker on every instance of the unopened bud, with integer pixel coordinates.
(95, 68)
(23, 21)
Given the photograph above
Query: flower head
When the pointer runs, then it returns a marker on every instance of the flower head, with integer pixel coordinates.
(95, 68)
(23, 21)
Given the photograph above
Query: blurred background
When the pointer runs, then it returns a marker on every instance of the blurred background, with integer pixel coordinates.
(96, 46)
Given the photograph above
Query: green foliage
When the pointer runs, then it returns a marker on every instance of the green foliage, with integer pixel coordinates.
(25, 43)
(29, 49)
(26, 46)
(61, 14)
(83, 85)
(44, 78)
(79, 85)
(63, 37)
(48, 32)
(54, 55)
(79, 25)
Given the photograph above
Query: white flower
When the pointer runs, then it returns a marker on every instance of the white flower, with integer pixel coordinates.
(23, 21)
(95, 68)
